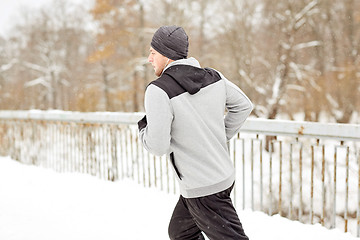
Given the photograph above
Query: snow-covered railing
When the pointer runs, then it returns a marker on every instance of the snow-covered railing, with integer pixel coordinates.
(305, 171)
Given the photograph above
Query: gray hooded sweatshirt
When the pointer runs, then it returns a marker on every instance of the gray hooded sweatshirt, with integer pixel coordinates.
(185, 110)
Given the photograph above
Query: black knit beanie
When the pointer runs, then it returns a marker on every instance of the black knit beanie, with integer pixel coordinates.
(171, 42)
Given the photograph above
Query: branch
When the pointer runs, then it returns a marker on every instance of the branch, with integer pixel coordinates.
(247, 79)
(6, 67)
(38, 81)
(305, 10)
(307, 45)
(36, 67)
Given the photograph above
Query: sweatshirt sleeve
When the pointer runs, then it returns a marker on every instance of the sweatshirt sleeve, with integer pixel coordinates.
(156, 126)
(239, 108)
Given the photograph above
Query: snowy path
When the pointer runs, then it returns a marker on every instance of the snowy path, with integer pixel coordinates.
(39, 204)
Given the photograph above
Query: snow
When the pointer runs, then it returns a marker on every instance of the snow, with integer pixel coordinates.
(275, 89)
(6, 67)
(297, 71)
(305, 10)
(250, 82)
(307, 45)
(37, 203)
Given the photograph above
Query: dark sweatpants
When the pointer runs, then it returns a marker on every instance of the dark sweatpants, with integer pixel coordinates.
(214, 215)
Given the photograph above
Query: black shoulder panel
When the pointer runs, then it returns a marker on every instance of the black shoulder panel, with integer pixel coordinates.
(182, 78)
(169, 85)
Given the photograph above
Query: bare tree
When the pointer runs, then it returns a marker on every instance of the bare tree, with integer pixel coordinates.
(266, 50)
(343, 100)
(292, 57)
(120, 47)
(51, 49)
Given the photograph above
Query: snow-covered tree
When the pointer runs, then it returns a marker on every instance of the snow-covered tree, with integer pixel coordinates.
(343, 24)
(291, 57)
(121, 51)
(266, 46)
(53, 47)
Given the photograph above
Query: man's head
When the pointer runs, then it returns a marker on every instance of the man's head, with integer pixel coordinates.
(169, 43)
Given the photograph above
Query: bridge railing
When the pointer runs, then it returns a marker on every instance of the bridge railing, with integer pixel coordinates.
(304, 171)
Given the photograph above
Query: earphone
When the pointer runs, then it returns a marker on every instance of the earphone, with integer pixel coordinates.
(166, 63)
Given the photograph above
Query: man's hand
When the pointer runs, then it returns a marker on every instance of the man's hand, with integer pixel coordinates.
(142, 123)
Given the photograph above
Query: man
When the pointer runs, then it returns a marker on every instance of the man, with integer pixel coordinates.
(185, 110)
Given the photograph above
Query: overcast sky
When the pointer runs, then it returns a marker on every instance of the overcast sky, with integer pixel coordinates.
(10, 10)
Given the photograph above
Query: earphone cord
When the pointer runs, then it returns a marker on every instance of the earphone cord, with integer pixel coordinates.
(165, 65)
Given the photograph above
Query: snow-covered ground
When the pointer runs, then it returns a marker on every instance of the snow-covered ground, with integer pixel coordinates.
(40, 204)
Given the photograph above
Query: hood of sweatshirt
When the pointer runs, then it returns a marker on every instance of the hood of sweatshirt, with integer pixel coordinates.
(190, 76)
